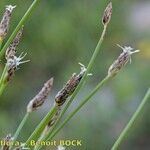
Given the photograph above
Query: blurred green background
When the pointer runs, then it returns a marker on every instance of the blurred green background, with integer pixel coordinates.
(58, 35)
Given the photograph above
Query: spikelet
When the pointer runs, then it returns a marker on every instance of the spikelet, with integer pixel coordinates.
(11, 50)
(4, 24)
(12, 60)
(121, 61)
(107, 14)
(7, 141)
(41, 97)
(70, 87)
(52, 121)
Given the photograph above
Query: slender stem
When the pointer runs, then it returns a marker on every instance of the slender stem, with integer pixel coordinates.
(21, 126)
(84, 101)
(91, 62)
(24, 120)
(1, 41)
(22, 21)
(39, 129)
(132, 121)
(2, 80)
(18, 27)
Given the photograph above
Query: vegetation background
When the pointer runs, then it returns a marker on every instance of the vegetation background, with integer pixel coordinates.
(57, 36)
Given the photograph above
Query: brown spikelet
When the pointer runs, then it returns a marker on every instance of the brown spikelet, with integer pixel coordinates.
(52, 121)
(11, 56)
(55, 117)
(11, 50)
(4, 24)
(7, 141)
(121, 61)
(40, 98)
(12, 65)
(107, 14)
(69, 88)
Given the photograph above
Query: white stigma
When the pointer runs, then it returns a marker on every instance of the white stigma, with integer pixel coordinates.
(84, 69)
(10, 7)
(129, 50)
(16, 61)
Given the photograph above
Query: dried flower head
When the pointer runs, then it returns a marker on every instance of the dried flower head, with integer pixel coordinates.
(4, 24)
(11, 50)
(7, 141)
(41, 97)
(121, 61)
(107, 14)
(70, 87)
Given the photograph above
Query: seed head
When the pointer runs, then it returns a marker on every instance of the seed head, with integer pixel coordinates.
(70, 87)
(11, 50)
(107, 14)
(4, 24)
(41, 97)
(122, 60)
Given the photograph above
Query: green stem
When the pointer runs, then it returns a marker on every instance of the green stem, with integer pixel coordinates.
(39, 129)
(24, 120)
(132, 121)
(21, 126)
(22, 21)
(1, 41)
(84, 101)
(2, 80)
(91, 62)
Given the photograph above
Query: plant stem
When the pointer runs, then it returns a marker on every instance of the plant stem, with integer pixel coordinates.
(26, 15)
(132, 121)
(91, 62)
(22, 21)
(2, 80)
(20, 127)
(39, 129)
(84, 101)
(1, 41)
